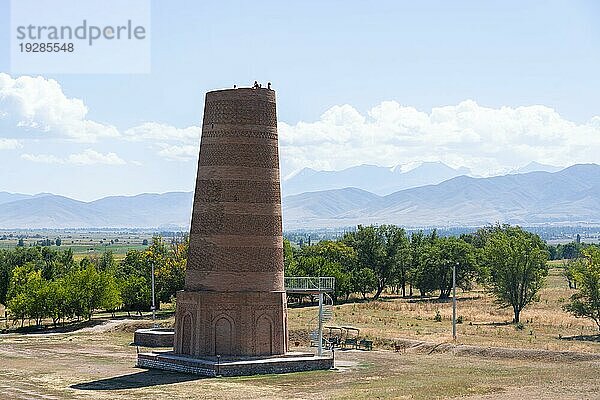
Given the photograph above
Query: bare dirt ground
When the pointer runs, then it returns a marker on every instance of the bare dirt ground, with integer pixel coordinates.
(99, 364)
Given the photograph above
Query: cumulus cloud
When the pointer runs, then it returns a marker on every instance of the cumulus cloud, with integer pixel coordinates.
(87, 157)
(9, 144)
(33, 106)
(36, 107)
(178, 153)
(486, 140)
(162, 132)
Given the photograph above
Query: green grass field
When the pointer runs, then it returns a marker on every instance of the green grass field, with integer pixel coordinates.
(83, 243)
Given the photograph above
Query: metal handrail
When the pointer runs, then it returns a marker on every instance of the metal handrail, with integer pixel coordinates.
(310, 283)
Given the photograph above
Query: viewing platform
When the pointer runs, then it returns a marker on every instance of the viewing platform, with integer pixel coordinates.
(309, 284)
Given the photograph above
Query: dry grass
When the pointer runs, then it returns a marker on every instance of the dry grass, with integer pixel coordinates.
(546, 324)
(97, 363)
(89, 365)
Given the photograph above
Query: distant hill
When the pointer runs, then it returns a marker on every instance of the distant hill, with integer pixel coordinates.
(6, 197)
(144, 210)
(316, 205)
(569, 196)
(378, 180)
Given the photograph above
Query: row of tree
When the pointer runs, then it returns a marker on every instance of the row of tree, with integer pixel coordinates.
(39, 282)
(509, 261)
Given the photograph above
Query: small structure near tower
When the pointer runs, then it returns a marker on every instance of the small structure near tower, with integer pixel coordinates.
(231, 318)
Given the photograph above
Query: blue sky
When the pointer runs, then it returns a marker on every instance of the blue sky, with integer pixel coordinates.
(380, 82)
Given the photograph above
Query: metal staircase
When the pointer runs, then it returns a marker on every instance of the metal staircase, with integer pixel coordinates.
(325, 315)
(315, 285)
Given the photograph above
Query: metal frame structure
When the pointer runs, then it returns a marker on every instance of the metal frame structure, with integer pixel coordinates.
(318, 285)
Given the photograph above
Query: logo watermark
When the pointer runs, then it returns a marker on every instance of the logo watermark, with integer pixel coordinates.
(74, 36)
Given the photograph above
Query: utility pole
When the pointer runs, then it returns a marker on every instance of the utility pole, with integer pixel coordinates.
(320, 351)
(454, 301)
(153, 301)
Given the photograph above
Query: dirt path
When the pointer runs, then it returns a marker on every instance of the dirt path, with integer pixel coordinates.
(418, 346)
(113, 325)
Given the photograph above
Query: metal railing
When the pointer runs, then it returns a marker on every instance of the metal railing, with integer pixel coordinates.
(309, 283)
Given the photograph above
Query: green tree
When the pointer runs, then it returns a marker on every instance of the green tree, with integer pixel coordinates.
(288, 257)
(364, 281)
(134, 263)
(27, 295)
(586, 272)
(424, 275)
(107, 262)
(135, 294)
(454, 252)
(170, 274)
(57, 297)
(515, 262)
(314, 265)
(91, 290)
(378, 248)
(415, 249)
(5, 272)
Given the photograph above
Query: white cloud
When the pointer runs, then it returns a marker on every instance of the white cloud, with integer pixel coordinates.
(9, 144)
(178, 153)
(38, 106)
(162, 132)
(487, 140)
(87, 157)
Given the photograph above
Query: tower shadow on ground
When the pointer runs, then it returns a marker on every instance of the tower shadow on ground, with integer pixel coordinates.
(137, 380)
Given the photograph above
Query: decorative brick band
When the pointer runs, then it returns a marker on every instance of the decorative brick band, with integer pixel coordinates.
(234, 281)
(242, 208)
(240, 112)
(209, 257)
(232, 134)
(240, 240)
(230, 172)
(244, 155)
(243, 191)
(213, 223)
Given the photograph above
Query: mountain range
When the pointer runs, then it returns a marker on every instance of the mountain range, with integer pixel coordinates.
(568, 196)
(168, 210)
(384, 180)
(372, 178)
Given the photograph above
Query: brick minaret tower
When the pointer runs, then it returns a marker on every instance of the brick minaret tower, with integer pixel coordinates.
(234, 302)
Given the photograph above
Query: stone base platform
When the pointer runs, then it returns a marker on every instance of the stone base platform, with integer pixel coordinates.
(154, 337)
(212, 367)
